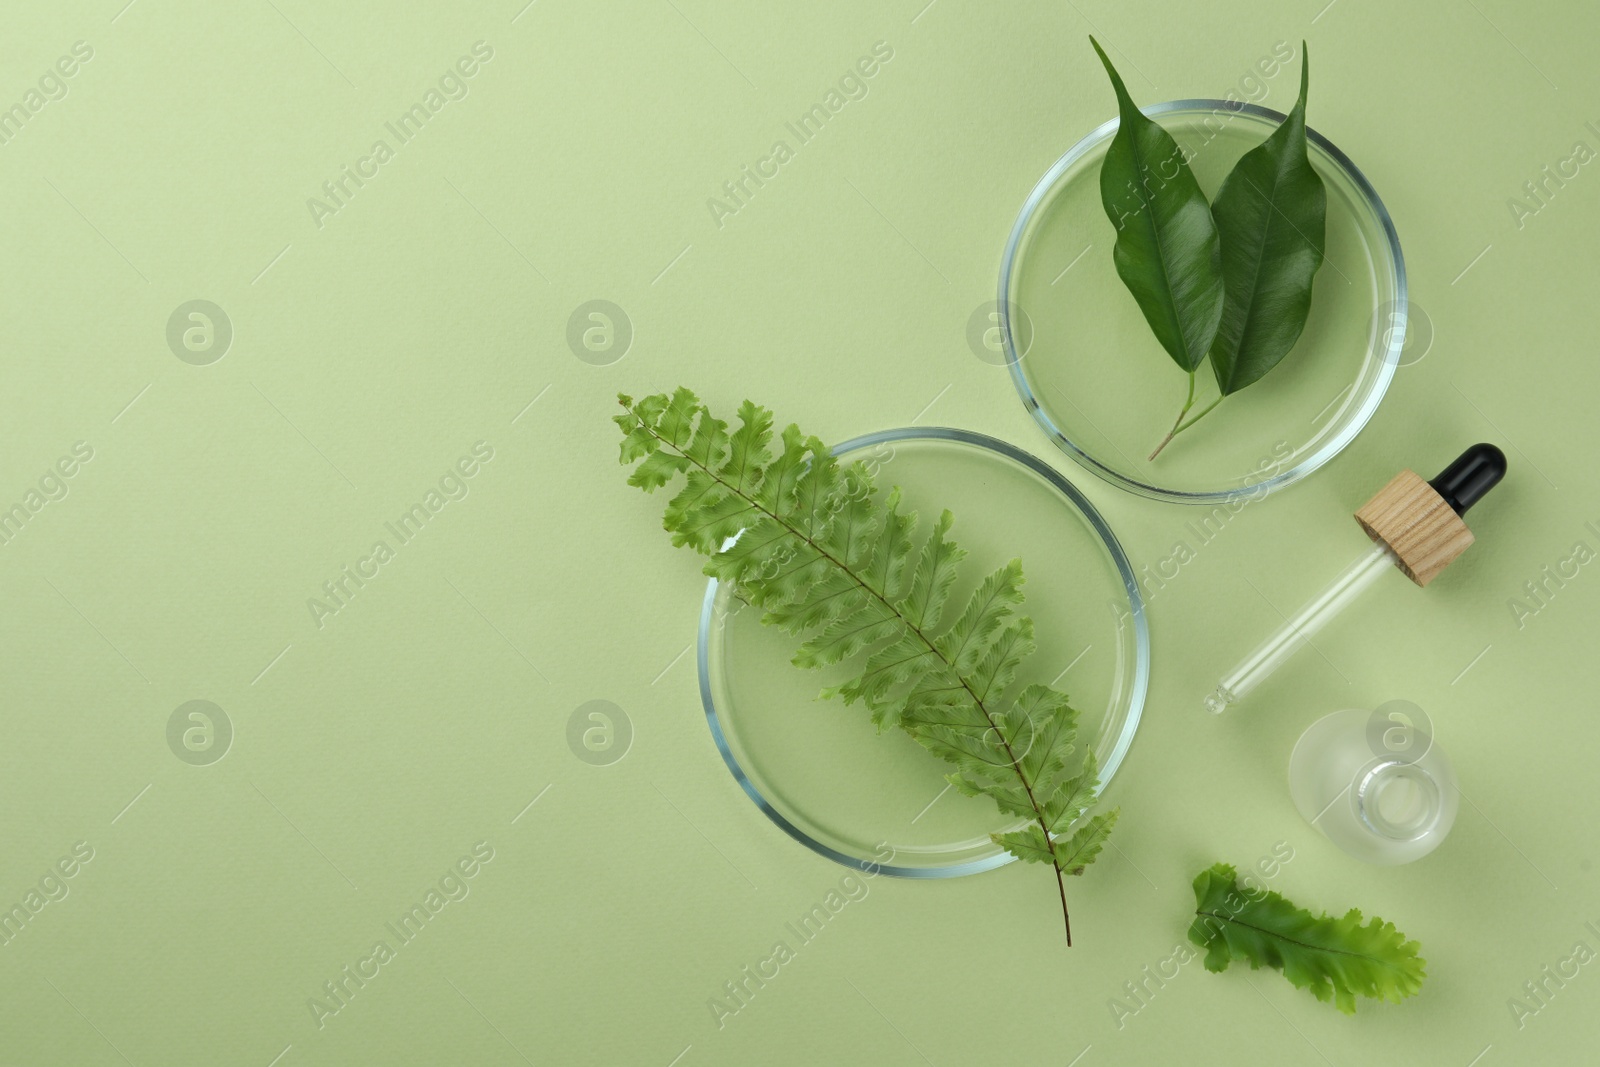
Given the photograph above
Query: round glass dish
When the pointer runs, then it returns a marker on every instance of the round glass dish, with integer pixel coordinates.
(1094, 377)
(822, 772)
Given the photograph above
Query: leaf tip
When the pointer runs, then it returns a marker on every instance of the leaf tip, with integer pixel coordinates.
(1305, 73)
(1105, 60)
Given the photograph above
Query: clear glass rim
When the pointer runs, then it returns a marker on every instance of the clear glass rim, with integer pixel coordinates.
(1354, 423)
(1136, 693)
(1367, 801)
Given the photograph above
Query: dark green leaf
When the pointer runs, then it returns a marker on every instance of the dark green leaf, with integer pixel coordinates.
(1167, 251)
(1271, 213)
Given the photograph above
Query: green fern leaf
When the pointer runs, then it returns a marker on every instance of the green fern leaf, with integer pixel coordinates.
(708, 444)
(761, 547)
(1080, 850)
(886, 671)
(1336, 959)
(1009, 797)
(782, 476)
(1066, 802)
(704, 513)
(815, 493)
(1055, 727)
(748, 456)
(989, 606)
(923, 605)
(1028, 844)
(826, 557)
(657, 470)
(673, 417)
(834, 596)
(856, 520)
(886, 567)
(847, 636)
(998, 668)
(980, 760)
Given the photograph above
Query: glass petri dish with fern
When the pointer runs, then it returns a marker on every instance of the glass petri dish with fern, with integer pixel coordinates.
(873, 799)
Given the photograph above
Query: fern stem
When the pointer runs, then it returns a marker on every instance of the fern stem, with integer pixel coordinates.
(1307, 945)
(1062, 885)
(1011, 755)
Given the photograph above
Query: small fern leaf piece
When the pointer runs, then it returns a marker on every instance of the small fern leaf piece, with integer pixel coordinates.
(658, 468)
(709, 443)
(849, 635)
(672, 418)
(1055, 726)
(637, 439)
(1028, 844)
(1079, 850)
(815, 491)
(1009, 797)
(1335, 959)
(886, 671)
(838, 595)
(792, 578)
(1068, 800)
(856, 518)
(990, 604)
(923, 604)
(781, 478)
(979, 758)
(704, 513)
(884, 569)
(747, 453)
(761, 549)
(998, 668)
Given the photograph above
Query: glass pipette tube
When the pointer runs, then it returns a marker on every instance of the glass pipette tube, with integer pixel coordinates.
(1298, 631)
(1416, 529)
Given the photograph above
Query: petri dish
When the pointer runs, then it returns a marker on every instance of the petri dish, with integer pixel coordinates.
(870, 800)
(1098, 383)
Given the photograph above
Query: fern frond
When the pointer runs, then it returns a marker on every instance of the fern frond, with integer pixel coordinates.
(1080, 850)
(1336, 959)
(991, 603)
(923, 603)
(827, 558)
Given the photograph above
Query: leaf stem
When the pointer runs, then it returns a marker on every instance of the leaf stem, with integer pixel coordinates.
(1016, 765)
(1061, 885)
(1202, 413)
(1187, 404)
(1179, 425)
(1307, 945)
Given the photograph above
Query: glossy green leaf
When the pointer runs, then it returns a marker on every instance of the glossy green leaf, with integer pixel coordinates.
(1336, 959)
(1167, 251)
(1271, 214)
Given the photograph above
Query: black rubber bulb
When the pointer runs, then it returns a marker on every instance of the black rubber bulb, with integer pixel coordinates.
(1474, 472)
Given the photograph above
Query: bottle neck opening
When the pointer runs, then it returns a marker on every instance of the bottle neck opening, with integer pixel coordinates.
(1397, 799)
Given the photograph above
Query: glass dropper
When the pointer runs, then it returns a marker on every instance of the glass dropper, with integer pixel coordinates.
(1416, 528)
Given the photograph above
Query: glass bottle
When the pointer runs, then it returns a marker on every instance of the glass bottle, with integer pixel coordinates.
(1376, 783)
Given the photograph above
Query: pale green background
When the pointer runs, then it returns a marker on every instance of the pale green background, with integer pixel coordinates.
(426, 315)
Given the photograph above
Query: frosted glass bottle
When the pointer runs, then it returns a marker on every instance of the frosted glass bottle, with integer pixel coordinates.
(1375, 783)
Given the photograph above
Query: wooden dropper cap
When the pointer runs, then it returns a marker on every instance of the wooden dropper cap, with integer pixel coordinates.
(1420, 522)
